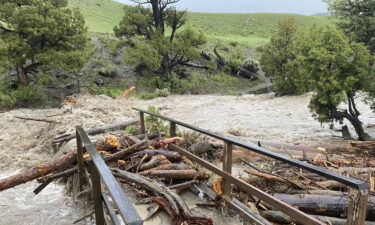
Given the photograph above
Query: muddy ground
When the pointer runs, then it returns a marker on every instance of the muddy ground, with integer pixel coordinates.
(27, 143)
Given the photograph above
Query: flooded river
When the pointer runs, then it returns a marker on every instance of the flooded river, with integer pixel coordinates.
(26, 143)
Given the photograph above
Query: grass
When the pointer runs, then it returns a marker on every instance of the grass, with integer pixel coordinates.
(249, 29)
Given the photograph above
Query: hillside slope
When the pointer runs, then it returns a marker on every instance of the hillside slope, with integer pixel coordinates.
(250, 29)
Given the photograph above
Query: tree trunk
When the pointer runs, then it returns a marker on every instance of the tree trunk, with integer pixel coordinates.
(158, 15)
(41, 170)
(22, 76)
(335, 206)
(353, 117)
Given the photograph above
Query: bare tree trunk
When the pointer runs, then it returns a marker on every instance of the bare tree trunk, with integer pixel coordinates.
(22, 76)
(353, 117)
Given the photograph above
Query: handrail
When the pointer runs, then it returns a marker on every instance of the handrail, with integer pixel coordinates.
(99, 168)
(323, 172)
(358, 193)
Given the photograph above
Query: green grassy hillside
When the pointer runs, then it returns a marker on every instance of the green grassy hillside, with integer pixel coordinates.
(250, 29)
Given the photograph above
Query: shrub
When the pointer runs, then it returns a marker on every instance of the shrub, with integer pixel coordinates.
(162, 92)
(6, 101)
(147, 96)
(155, 124)
(29, 96)
(133, 130)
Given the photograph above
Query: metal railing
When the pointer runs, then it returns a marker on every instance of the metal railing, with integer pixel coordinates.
(101, 174)
(358, 191)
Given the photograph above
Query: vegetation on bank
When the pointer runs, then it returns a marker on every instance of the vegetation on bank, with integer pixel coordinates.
(336, 67)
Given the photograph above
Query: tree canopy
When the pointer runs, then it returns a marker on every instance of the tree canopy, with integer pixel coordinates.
(278, 60)
(158, 51)
(41, 34)
(356, 19)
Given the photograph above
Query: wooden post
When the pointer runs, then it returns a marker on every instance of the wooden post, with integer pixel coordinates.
(172, 129)
(357, 209)
(97, 196)
(142, 121)
(227, 166)
(80, 161)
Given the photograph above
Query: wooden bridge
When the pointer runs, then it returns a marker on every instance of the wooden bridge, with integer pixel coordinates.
(101, 174)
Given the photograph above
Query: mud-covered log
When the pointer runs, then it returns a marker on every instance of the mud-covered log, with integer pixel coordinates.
(276, 216)
(173, 166)
(154, 162)
(174, 200)
(334, 206)
(59, 163)
(177, 174)
(171, 156)
(282, 218)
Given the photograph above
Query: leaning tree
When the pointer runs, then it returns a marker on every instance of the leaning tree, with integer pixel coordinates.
(339, 72)
(163, 45)
(41, 34)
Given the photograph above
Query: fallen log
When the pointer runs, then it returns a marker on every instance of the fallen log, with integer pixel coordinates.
(171, 156)
(110, 143)
(177, 174)
(174, 200)
(276, 216)
(59, 163)
(282, 218)
(98, 130)
(150, 136)
(128, 151)
(172, 166)
(38, 120)
(154, 162)
(334, 206)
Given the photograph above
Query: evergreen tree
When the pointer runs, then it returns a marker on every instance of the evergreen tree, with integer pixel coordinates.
(41, 34)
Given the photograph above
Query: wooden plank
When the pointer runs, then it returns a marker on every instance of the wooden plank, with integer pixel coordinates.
(172, 129)
(126, 209)
(97, 196)
(142, 121)
(227, 166)
(80, 161)
(293, 212)
(111, 211)
(246, 213)
(357, 207)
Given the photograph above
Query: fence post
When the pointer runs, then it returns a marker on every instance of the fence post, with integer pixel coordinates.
(97, 195)
(357, 209)
(172, 129)
(79, 160)
(142, 121)
(227, 166)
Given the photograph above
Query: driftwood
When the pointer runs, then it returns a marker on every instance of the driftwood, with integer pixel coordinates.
(38, 120)
(150, 136)
(282, 218)
(172, 166)
(98, 130)
(171, 156)
(177, 174)
(276, 216)
(154, 162)
(334, 206)
(180, 213)
(46, 180)
(128, 151)
(41, 170)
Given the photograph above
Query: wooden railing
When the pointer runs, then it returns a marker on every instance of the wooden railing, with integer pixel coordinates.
(101, 174)
(358, 190)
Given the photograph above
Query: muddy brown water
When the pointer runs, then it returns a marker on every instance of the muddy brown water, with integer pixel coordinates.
(27, 143)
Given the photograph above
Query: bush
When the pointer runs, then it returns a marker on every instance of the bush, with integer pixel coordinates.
(30, 96)
(147, 96)
(7, 102)
(111, 92)
(155, 124)
(133, 130)
(162, 92)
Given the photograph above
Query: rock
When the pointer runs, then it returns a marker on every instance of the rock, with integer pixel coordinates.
(99, 82)
(105, 72)
(200, 148)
